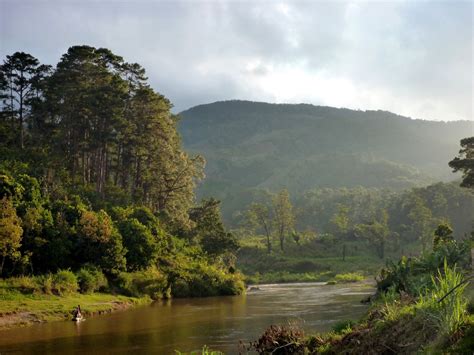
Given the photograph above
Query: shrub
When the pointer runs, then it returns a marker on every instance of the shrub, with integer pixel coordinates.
(47, 283)
(343, 327)
(232, 286)
(65, 282)
(413, 275)
(91, 279)
(140, 244)
(24, 284)
(279, 339)
(207, 280)
(150, 282)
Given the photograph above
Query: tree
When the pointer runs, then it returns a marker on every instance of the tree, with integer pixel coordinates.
(141, 246)
(465, 162)
(113, 131)
(259, 216)
(283, 215)
(376, 232)
(209, 229)
(20, 73)
(339, 223)
(85, 98)
(443, 235)
(99, 243)
(422, 221)
(10, 232)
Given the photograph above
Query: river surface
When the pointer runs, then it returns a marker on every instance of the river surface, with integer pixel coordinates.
(187, 324)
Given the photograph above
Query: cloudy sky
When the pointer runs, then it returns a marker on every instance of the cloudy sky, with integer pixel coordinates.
(410, 57)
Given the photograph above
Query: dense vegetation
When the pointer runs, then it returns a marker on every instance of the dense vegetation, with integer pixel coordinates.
(331, 231)
(96, 192)
(420, 305)
(252, 145)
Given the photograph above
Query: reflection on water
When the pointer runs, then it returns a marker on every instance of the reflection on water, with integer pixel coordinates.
(187, 324)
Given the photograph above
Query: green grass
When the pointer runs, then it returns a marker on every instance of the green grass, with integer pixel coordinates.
(260, 267)
(287, 277)
(18, 309)
(349, 277)
(445, 305)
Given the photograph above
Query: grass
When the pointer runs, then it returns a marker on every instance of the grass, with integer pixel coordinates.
(298, 265)
(445, 305)
(287, 277)
(439, 318)
(278, 268)
(349, 277)
(18, 309)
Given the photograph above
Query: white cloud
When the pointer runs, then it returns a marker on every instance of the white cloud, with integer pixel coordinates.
(413, 58)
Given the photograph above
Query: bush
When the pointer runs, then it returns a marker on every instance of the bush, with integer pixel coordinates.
(24, 284)
(91, 279)
(279, 339)
(150, 282)
(413, 275)
(65, 282)
(207, 280)
(47, 283)
(343, 327)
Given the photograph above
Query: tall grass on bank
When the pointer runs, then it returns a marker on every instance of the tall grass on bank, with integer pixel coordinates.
(444, 305)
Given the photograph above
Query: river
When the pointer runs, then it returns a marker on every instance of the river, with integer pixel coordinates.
(187, 324)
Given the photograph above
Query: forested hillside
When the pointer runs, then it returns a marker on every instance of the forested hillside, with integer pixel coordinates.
(251, 145)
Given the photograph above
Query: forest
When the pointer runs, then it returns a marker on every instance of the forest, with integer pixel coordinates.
(96, 191)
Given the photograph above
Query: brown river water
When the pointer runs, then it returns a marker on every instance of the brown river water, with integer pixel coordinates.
(187, 324)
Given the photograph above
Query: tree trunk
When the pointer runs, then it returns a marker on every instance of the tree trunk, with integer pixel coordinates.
(267, 233)
(22, 133)
(269, 244)
(1, 265)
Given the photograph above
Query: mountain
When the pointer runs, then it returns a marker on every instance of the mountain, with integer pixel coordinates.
(255, 145)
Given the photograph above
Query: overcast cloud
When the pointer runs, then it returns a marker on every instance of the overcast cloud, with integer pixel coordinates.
(411, 57)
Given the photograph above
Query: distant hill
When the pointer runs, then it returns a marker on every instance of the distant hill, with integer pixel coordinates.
(251, 145)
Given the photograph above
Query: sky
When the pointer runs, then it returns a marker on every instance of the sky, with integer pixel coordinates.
(413, 58)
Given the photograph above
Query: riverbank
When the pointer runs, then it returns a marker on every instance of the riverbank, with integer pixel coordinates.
(19, 310)
(299, 266)
(287, 277)
(423, 304)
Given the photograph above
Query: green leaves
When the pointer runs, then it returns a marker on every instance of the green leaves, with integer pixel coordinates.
(10, 232)
(465, 162)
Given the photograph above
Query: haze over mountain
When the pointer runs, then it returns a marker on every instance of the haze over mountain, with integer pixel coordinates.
(251, 145)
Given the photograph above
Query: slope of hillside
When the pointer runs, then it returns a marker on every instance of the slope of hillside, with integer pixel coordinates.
(258, 145)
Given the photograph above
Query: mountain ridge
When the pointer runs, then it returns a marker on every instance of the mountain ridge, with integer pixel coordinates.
(257, 145)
